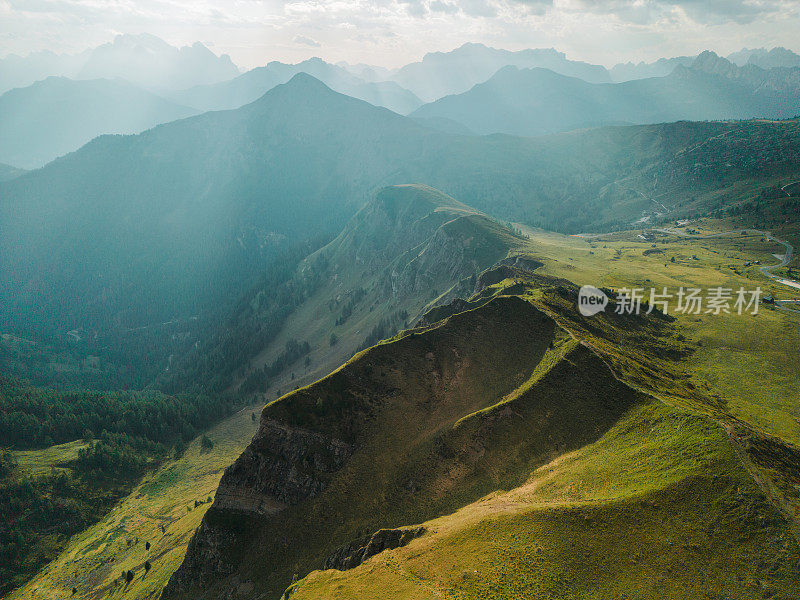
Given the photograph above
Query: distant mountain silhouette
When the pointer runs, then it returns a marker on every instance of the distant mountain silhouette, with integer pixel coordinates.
(443, 73)
(142, 59)
(642, 70)
(539, 101)
(253, 84)
(149, 61)
(766, 59)
(58, 115)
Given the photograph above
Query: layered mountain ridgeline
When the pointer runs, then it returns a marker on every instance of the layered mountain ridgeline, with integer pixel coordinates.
(760, 57)
(642, 70)
(255, 83)
(409, 246)
(442, 73)
(766, 59)
(540, 101)
(53, 117)
(143, 59)
(520, 452)
(170, 228)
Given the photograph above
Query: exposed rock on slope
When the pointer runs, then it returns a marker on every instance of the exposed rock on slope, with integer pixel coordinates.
(355, 553)
(404, 432)
(291, 468)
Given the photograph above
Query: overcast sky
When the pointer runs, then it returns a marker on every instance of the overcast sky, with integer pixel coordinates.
(394, 32)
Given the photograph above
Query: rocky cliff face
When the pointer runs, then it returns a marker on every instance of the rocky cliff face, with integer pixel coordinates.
(282, 466)
(402, 433)
(459, 248)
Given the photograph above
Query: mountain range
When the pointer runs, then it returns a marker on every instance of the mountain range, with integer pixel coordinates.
(445, 73)
(143, 59)
(539, 101)
(475, 90)
(766, 59)
(642, 70)
(263, 336)
(183, 217)
(255, 83)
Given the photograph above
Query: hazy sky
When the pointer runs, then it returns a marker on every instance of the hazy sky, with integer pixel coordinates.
(394, 32)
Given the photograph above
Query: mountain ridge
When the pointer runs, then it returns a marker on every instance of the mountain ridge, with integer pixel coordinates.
(353, 420)
(445, 73)
(251, 85)
(142, 59)
(538, 101)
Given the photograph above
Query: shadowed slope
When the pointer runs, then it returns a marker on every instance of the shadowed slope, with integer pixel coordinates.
(408, 246)
(405, 431)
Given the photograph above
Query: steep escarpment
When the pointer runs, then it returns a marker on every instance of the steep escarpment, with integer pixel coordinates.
(282, 466)
(404, 432)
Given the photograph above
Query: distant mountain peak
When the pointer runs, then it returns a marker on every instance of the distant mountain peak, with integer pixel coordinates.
(711, 62)
(147, 60)
(303, 80)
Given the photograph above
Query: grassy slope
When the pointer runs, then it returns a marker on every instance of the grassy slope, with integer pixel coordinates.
(749, 361)
(40, 462)
(659, 507)
(94, 559)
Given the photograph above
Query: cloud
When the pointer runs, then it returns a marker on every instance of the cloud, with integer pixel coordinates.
(443, 7)
(478, 8)
(706, 12)
(306, 41)
(537, 7)
(394, 32)
(721, 11)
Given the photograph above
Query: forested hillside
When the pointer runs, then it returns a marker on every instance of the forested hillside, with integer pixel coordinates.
(67, 457)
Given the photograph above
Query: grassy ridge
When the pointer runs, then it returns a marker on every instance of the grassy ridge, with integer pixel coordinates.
(658, 507)
(748, 363)
(438, 460)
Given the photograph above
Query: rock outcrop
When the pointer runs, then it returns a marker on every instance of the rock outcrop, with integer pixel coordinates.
(282, 466)
(353, 554)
